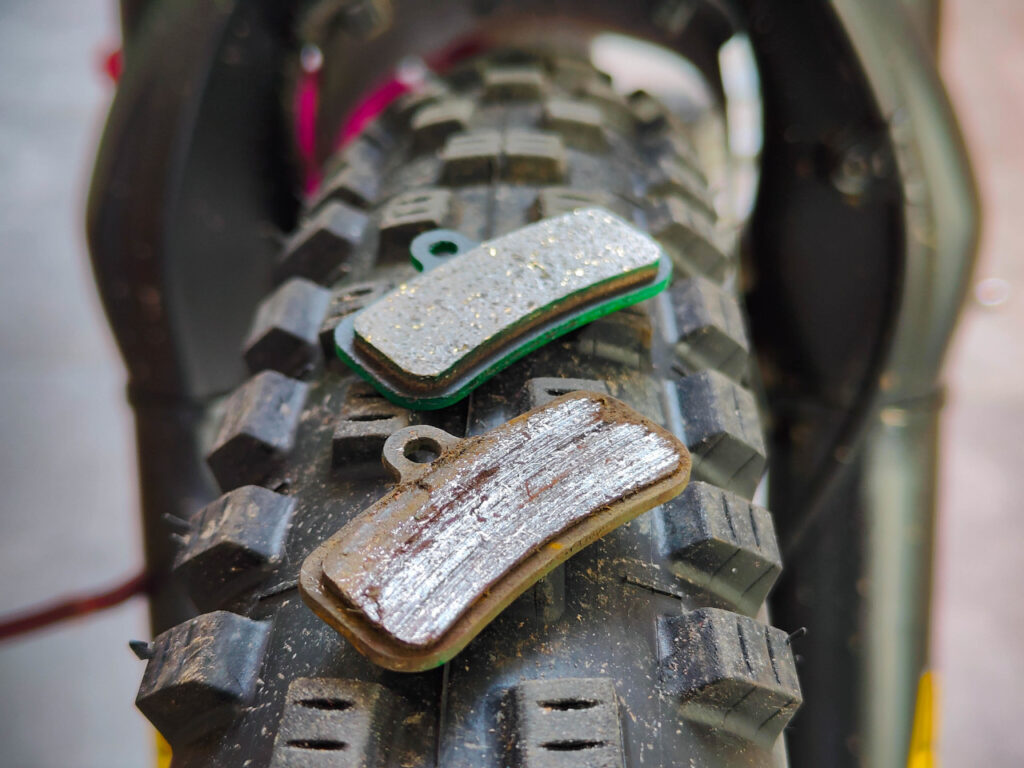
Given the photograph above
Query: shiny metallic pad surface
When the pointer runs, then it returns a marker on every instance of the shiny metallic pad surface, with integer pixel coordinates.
(424, 569)
(441, 321)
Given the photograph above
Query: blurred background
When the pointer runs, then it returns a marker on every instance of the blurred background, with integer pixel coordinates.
(67, 473)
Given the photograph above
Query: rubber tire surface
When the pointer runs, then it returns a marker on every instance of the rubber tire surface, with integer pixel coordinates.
(643, 650)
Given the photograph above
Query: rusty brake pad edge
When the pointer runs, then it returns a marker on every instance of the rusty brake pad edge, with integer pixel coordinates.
(413, 578)
(435, 338)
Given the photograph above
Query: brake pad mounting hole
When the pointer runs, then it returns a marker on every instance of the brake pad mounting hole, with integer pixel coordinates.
(422, 450)
(444, 248)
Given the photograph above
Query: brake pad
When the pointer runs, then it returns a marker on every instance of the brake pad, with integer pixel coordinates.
(418, 574)
(475, 309)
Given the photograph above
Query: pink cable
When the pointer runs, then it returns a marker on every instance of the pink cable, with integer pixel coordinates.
(307, 103)
(369, 108)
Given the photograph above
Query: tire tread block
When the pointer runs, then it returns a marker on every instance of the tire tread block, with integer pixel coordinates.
(284, 334)
(730, 672)
(200, 673)
(234, 541)
(709, 324)
(323, 245)
(566, 723)
(722, 432)
(334, 723)
(722, 542)
(366, 421)
(258, 429)
(690, 238)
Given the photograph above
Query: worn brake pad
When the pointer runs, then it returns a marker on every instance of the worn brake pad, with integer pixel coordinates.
(421, 572)
(478, 308)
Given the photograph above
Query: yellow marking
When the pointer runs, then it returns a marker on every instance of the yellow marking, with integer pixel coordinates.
(924, 737)
(163, 752)
(555, 545)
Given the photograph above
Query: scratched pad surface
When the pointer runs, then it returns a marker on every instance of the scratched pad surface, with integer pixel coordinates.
(414, 562)
(435, 324)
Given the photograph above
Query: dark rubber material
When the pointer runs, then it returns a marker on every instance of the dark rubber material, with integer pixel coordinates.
(645, 649)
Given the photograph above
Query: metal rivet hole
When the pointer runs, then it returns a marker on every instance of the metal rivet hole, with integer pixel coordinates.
(443, 248)
(422, 450)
